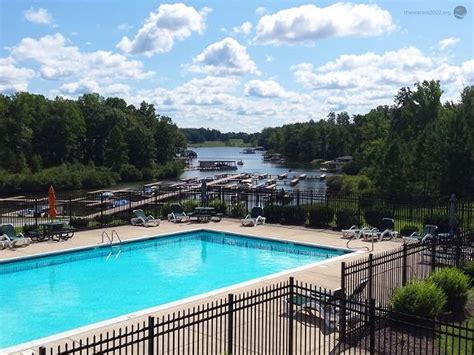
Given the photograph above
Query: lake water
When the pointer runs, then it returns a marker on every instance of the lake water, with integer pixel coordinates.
(253, 163)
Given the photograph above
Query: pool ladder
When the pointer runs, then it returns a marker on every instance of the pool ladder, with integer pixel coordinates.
(110, 241)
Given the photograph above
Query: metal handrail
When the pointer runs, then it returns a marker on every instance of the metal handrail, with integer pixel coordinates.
(364, 247)
(114, 234)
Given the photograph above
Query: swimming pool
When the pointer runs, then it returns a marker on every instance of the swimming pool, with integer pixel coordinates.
(46, 295)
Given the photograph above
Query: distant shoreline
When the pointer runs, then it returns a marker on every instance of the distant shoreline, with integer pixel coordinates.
(239, 143)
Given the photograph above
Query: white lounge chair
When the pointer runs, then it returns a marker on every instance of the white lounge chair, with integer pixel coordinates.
(9, 234)
(428, 234)
(354, 232)
(254, 218)
(386, 231)
(178, 214)
(141, 219)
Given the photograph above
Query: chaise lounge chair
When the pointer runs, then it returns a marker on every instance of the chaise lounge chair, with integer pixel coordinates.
(428, 234)
(329, 307)
(386, 231)
(141, 219)
(255, 217)
(177, 214)
(354, 232)
(9, 234)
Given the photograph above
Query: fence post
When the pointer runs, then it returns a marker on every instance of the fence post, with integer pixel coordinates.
(458, 242)
(42, 350)
(36, 213)
(404, 265)
(371, 276)
(230, 324)
(70, 209)
(290, 318)
(151, 334)
(342, 321)
(372, 325)
(298, 198)
(130, 200)
(101, 204)
(433, 256)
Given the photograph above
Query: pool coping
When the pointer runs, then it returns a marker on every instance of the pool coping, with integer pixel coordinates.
(129, 316)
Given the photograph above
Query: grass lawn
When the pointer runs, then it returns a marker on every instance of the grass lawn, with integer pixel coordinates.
(229, 143)
(463, 346)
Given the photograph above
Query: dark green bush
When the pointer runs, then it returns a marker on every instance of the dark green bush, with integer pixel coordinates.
(129, 172)
(373, 216)
(148, 174)
(125, 216)
(455, 285)
(334, 183)
(320, 215)
(238, 210)
(165, 210)
(468, 268)
(346, 218)
(408, 230)
(189, 205)
(273, 213)
(219, 206)
(28, 228)
(79, 223)
(351, 168)
(294, 215)
(419, 298)
(442, 221)
(104, 219)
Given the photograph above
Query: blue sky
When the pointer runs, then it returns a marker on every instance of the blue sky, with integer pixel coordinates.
(236, 65)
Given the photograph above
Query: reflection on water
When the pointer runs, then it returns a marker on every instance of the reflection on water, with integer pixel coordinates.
(253, 163)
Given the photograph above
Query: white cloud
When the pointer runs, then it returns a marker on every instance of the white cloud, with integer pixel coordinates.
(269, 59)
(57, 59)
(227, 57)
(264, 88)
(13, 78)
(124, 27)
(260, 10)
(371, 79)
(447, 42)
(308, 23)
(244, 28)
(168, 23)
(80, 87)
(40, 16)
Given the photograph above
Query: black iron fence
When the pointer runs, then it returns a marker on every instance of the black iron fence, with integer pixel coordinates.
(392, 269)
(285, 318)
(90, 210)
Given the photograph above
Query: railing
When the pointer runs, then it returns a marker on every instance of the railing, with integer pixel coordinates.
(110, 238)
(284, 318)
(389, 270)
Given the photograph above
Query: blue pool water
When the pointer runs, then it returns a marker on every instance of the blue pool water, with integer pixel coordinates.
(46, 295)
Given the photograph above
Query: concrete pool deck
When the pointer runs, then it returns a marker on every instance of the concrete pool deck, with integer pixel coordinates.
(325, 275)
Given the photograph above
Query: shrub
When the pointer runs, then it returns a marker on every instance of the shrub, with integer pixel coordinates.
(189, 205)
(79, 223)
(419, 298)
(320, 215)
(442, 221)
(129, 172)
(454, 284)
(408, 230)
(346, 218)
(125, 216)
(294, 215)
(273, 213)
(351, 168)
(28, 228)
(219, 206)
(238, 210)
(468, 268)
(373, 216)
(104, 219)
(165, 209)
(334, 183)
(148, 174)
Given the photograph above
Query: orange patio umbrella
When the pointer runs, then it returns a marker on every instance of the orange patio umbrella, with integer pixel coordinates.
(52, 202)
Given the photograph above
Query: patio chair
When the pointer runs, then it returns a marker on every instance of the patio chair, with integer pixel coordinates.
(177, 214)
(386, 231)
(329, 307)
(428, 234)
(141, 219)
(255, 217)
(9, 234)
(354, 232)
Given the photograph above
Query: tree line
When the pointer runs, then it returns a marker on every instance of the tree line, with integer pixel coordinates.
(88, 142)
(200, 135)
(418, 145)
